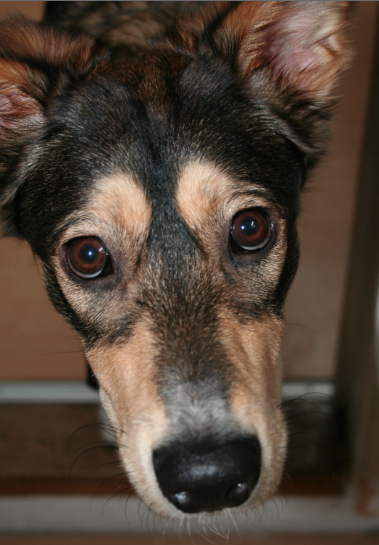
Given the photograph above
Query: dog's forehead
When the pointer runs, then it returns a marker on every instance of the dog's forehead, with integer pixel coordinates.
(150, 117)
(154, 131)
(157, 134)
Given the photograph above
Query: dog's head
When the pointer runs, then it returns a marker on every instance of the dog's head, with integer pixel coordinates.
(159, 192)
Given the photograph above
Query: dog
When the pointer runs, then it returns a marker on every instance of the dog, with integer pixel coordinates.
(152, 155)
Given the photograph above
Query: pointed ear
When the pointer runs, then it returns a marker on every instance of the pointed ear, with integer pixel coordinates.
(298, 49)
(36, 64)
(303, 45)
(288, 54)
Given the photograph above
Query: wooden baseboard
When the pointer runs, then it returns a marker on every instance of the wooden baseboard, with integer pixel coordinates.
(302, 484)
(37, 486)
(62, 449)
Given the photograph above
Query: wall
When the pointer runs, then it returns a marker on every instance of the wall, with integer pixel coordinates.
(314, 305)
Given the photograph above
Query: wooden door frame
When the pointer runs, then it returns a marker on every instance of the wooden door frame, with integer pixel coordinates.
(357, 369)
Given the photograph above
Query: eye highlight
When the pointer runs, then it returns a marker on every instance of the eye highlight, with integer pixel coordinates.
(88, 258)
(250, 230)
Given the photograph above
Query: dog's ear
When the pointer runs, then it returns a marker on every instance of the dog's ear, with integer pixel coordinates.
(289, 54)
(36, 64)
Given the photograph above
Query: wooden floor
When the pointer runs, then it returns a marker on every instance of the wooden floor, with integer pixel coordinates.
(194, 540)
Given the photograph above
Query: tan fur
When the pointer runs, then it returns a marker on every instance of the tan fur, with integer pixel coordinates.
(118, 201)
(119, 214)
(121, 200)
(206, 197)
(129, 394)
(14, 72)
(207, 200)
(203, 188)
(256, 394)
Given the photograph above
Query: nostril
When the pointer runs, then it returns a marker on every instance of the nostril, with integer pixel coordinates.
(237, 495)
(240, 492)
(181, 500)
(208, 476)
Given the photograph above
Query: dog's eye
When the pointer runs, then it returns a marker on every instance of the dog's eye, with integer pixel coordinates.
(87, 257)
(250, 230)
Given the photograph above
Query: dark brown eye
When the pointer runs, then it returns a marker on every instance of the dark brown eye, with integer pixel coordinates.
(87, 257)
(250, 230)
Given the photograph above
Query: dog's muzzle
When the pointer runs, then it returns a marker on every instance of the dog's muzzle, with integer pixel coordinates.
(209, 476)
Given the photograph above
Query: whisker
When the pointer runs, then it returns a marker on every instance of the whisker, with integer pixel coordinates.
(302, 398)
(93, 448)
(120, 490)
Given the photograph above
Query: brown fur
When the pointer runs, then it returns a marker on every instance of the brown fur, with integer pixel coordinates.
(263, 33)
(125, 25)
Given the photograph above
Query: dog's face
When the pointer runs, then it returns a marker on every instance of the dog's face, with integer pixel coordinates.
(159, 192)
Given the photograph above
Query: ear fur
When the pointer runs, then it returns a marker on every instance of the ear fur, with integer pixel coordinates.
(303, 45)
(289, 56)
(36, 64)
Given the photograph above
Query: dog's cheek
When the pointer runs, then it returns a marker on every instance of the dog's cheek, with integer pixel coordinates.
(255, 396)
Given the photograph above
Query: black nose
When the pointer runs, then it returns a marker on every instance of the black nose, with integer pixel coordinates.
(208, 477)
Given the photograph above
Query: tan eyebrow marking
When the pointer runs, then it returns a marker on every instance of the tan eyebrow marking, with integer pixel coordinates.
(121, 200)
(118, 204)
(203, 190)
(207, 199)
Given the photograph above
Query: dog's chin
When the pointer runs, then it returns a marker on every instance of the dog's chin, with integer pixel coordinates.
(136, 447)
